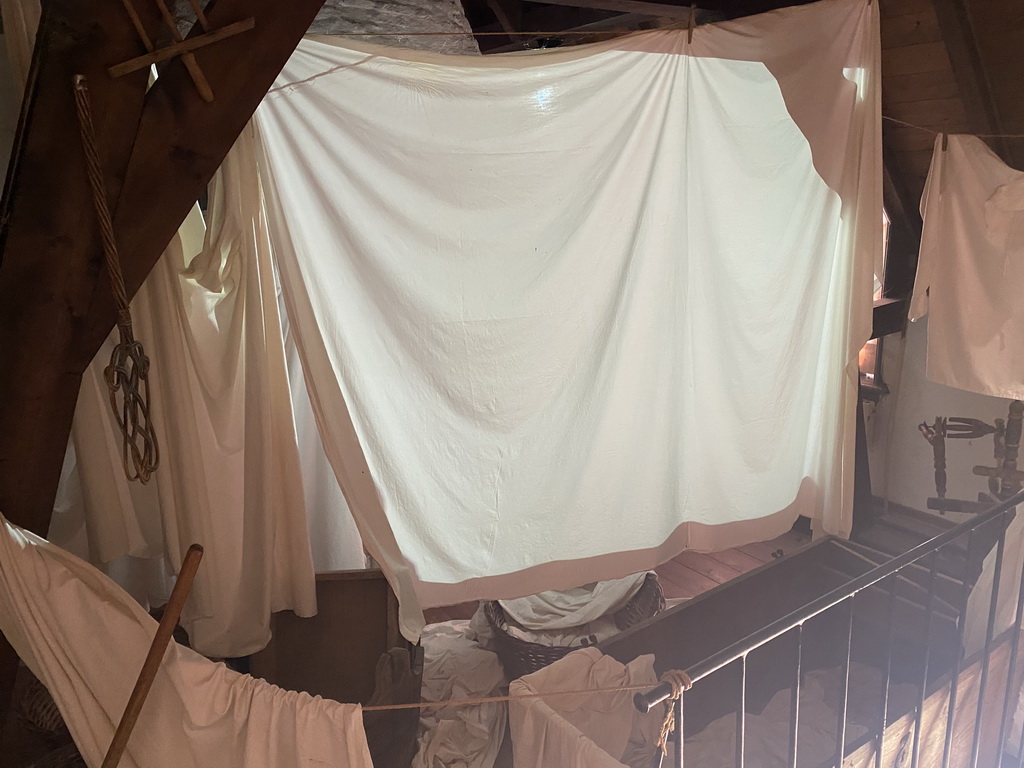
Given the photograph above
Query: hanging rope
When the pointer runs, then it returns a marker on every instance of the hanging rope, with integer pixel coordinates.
(933, 132)
(680, 681)
(127, 374)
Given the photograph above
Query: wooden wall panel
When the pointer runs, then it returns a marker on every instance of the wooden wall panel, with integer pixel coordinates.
(910, 59)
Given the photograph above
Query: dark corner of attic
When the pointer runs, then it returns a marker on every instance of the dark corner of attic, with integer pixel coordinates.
(511, 384)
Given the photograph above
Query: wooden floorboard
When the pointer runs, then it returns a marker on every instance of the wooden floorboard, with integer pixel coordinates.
(714, 569)
(688, 574)
(741, 561)
(787, 543)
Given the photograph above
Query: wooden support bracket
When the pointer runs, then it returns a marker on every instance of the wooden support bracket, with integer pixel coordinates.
(185, 46)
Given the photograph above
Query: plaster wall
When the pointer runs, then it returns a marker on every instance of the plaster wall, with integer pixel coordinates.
(900, 459)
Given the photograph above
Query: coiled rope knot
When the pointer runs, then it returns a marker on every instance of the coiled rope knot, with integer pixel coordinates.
(680, 681)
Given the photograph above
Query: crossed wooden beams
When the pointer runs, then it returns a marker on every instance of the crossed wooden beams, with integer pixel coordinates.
(180, 47)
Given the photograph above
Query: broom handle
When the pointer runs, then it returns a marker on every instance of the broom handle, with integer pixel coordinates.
(151, 666)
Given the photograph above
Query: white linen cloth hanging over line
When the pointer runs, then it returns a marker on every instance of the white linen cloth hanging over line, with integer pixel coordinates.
(970, 275)
(563, 314)
(85, 639)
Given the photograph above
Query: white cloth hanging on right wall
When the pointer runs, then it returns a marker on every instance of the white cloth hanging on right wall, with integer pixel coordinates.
(970, 276)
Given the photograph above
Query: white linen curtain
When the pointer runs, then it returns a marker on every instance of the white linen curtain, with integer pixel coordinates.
(562, 315)
(230, 475)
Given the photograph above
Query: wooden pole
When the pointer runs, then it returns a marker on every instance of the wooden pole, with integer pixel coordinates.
(151, 665)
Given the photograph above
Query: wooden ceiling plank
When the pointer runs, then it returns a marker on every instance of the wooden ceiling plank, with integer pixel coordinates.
(49, 245)
(913, 59)
(888, 9)
(508, 16)
(937, 114)
(910, 29)
(975, 87)
(918, 86)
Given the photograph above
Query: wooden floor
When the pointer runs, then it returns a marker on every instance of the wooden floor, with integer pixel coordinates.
(687, 575)
(691, 573)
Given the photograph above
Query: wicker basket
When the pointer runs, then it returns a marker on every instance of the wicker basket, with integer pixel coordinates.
(35, 707)
(67, 756)
(521, 657)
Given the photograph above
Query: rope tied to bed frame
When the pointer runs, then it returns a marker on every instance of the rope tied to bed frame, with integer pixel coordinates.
(680, 681)
(127, 374)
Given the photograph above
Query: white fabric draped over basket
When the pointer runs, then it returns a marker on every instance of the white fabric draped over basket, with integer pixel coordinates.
(86, 639)
(562, 315)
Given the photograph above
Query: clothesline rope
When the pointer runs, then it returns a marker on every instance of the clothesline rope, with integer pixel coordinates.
(933, 132)
(527, 33)
(537, 695)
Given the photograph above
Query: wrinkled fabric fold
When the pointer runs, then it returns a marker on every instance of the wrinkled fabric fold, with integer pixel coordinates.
(230, 477)
(970, 274)
(85, 639)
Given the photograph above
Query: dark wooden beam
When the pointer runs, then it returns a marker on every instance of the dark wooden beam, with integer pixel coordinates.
(971, 77)
(158, 151)
(49, 248)
(182, 141)
(49, 241)
(888, 316)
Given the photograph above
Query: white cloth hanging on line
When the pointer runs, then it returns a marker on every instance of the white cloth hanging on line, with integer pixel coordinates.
(85, 639)
(563, 314)
(588, 730)
(229, 477)
(970, 274)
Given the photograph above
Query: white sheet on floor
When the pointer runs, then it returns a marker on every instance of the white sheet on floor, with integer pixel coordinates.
(564, 314)
(970, 275)
(455, 666)
(229, 476)
(592, 730)
(85, 639)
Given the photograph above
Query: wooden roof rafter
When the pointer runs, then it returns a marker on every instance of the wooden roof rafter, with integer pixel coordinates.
(158, 150)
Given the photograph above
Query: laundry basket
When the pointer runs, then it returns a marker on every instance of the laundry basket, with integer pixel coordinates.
(520, 657)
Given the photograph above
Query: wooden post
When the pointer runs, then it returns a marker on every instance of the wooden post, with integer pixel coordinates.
(147, 675)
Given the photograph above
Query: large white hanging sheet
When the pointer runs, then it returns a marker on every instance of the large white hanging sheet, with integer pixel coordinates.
(86, 639)
(565, 314)
(970, 276)
(229, 475)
